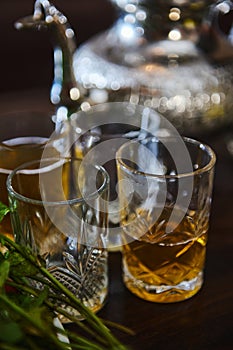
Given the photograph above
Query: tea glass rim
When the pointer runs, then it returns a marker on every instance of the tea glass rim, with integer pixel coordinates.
(21, 114)
(78, 200)
(201, 145)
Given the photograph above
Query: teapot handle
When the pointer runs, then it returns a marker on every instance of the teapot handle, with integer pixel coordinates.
(217, 33)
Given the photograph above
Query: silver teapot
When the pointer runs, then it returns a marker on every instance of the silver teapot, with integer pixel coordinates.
(170, 55)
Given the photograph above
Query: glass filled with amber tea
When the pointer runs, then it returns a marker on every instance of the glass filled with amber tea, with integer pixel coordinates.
(23, 136)
(59, 211)
(165, 191)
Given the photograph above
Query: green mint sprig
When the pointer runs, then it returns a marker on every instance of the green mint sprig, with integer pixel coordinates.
(27, 311)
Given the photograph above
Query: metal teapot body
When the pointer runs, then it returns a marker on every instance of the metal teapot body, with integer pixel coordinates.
(156, 54)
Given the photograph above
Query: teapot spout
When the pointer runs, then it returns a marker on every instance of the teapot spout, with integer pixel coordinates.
(47, 16)
(30, 22)
(65, 91)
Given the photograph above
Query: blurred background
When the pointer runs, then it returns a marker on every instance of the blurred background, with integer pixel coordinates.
(27, 64)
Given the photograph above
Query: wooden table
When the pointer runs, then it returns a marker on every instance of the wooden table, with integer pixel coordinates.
(202, 322)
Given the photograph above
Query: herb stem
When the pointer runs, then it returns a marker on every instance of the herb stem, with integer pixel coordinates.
(96, 327)
(57, 309)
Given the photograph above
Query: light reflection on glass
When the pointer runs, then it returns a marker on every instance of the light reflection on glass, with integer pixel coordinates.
(141, 15)
(62, 19)
(98, 96)
(224, 7)
(140, 31)
(62, 114)
(126, 32)
(174, 14)
(49, 19)
(115, 85)
(130, 8)
(74, 94)
(55, 93)
(69, 33)
(215, 98)
(85, 106)
(174, 34)
(130, 19)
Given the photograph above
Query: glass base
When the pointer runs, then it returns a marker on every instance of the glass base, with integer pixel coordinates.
(92, 293)
(93, 304)
(163, 293)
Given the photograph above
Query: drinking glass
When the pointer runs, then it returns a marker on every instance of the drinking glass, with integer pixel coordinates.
(165, 191)
(97, 133)
(59, 210)
(23, 135)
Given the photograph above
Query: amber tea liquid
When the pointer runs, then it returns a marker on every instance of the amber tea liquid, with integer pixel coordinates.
(163, 267)
(13, 153)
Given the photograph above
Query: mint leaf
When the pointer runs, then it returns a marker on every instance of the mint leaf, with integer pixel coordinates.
(10, 332)
(3, 210)
(20, 266)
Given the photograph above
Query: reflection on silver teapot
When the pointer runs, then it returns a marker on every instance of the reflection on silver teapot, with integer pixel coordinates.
(171, 55)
